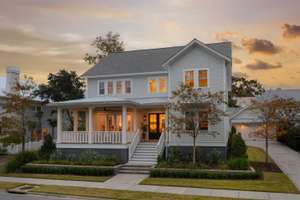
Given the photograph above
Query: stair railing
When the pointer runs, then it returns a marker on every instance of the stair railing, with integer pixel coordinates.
(160, 145)
(134, 142)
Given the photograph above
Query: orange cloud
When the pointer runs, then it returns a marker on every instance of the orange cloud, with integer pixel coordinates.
(290, 31)
(254, 45)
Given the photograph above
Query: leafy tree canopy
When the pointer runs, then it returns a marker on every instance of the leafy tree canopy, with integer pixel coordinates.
(242, 87)
(106, 45)
(62, 86)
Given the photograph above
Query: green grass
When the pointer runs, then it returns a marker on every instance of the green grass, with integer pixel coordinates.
(256, 154)
(9, 185)
(118, 194)
(273, 182)
(58, 177)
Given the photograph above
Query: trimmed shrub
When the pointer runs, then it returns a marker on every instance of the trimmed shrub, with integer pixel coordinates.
(68, 169)
(215, 157)
(229, 143)
(294, 138)
(205, 174)
(21, 159)
(238, 164)
(238, 147)
(47, 148)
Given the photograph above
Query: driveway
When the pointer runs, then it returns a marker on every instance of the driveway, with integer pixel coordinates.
(287, 159)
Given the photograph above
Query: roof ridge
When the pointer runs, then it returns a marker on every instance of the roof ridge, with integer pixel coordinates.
(149, 49)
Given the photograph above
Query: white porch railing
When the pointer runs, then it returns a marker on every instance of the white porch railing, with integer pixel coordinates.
(107, 137)
(160, 144)
(134, 142)
(75, 137)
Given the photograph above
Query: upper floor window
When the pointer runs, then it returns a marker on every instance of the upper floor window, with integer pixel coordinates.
(127, 87)
(162, 85)
(110, 87)
(101, 88)
(157, 85)
(189, 78)
(119, 86)
(152, 86)
(197, 78)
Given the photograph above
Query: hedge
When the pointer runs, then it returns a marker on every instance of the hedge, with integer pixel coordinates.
(205, 174)
(69, 169)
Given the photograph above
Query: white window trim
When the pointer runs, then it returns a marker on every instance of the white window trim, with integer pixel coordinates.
(114, 87)
(196, 77)
(156, 78)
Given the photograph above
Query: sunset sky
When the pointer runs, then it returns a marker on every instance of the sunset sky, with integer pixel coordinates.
(42, 36)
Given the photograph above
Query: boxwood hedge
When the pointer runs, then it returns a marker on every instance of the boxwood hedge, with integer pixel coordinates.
(205, 174)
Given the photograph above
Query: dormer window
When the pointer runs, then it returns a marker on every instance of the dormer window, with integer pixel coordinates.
(101, 87)
(119, 86)
(127, 87)
(196, 78)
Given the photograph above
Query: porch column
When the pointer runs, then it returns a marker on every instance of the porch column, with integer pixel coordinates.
(59, 125)
(134, 120)
(90, 125)
(75, 116)
(124, 124)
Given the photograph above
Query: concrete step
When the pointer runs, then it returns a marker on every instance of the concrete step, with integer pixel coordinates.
(145, 150)
(145, 153)
(143, 160)
(134, 171)
(145, 156)
(141, 163)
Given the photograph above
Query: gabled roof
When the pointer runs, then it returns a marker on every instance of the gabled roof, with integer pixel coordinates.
(146, 60)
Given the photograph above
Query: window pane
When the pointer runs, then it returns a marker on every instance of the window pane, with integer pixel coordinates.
(127, 87)
(119, 87)
(203, 121)
(101, 88)
(189, 78)
(202, 75)
(162, 85)
(110, 87)
(152, 86)
(99, 121)
(129, 122)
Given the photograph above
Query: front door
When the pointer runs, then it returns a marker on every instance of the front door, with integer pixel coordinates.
(156, 122)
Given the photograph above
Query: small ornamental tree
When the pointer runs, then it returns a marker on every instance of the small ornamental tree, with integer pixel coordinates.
(47, 148)
(191, 110)
(14, 121)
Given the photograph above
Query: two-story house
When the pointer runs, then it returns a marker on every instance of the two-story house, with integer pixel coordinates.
(124, 111)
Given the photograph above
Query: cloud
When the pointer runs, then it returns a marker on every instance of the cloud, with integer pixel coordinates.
(227, 36)
(240, 74)
(237, 61)
(291, 31)
(71, 37)
(254, 45)
(261, 65)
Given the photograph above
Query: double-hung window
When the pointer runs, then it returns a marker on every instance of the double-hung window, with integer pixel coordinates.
(162, 84)
(127, 87)
(101, 87)
(110, 87)
(152, 85)
(119, 87)
(157, 85)
(196, 78)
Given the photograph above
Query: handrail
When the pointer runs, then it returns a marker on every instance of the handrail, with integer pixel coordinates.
(134, 142)
(161, 144)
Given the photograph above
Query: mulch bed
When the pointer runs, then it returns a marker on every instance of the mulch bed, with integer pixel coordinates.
(270, 167)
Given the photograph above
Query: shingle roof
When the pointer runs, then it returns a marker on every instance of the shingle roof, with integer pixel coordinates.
(146, 60)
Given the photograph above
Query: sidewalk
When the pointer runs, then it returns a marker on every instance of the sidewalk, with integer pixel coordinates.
(286, 158)
(130, 182)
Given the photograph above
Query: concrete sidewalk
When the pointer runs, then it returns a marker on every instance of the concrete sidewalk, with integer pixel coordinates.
(130, 182)
(286, 158)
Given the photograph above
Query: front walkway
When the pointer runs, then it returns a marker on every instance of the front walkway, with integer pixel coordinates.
(130, 182)
(286, 158)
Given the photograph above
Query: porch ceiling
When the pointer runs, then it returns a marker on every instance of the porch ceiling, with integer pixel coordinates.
(111, 101)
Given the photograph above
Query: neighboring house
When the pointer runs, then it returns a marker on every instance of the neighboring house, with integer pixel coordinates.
(124, 112)
(7, 85)
(246, 119)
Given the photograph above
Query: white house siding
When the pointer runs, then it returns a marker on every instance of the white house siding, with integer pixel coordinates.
(139, 86)
(197, 58)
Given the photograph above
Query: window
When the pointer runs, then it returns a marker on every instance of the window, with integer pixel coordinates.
(101, 88)
(189, 78)
(203, 121)
(202, 78)
(127, 87)
(110, 87)
(119, 87)
(162, 85)
(152, 86)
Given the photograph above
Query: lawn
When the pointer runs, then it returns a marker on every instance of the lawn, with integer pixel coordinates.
(272, 182)
(58, 177)
(106, 193)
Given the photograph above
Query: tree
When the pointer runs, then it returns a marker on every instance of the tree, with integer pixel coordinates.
(273, 112)
(62, 86)
(104, 46)
(191, 110)
(14, 120)
(241, 87)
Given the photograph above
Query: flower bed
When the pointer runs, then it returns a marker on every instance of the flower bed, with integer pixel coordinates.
(69, 169)
(205, 174)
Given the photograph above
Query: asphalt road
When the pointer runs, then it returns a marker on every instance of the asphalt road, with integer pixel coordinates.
(8, 196)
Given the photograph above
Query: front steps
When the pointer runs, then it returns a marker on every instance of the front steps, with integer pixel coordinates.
(143, 159)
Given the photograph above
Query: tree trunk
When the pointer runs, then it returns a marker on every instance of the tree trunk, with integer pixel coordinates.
(194, 150)
(267, 144)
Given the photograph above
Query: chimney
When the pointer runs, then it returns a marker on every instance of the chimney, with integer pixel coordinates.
(12, 78)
